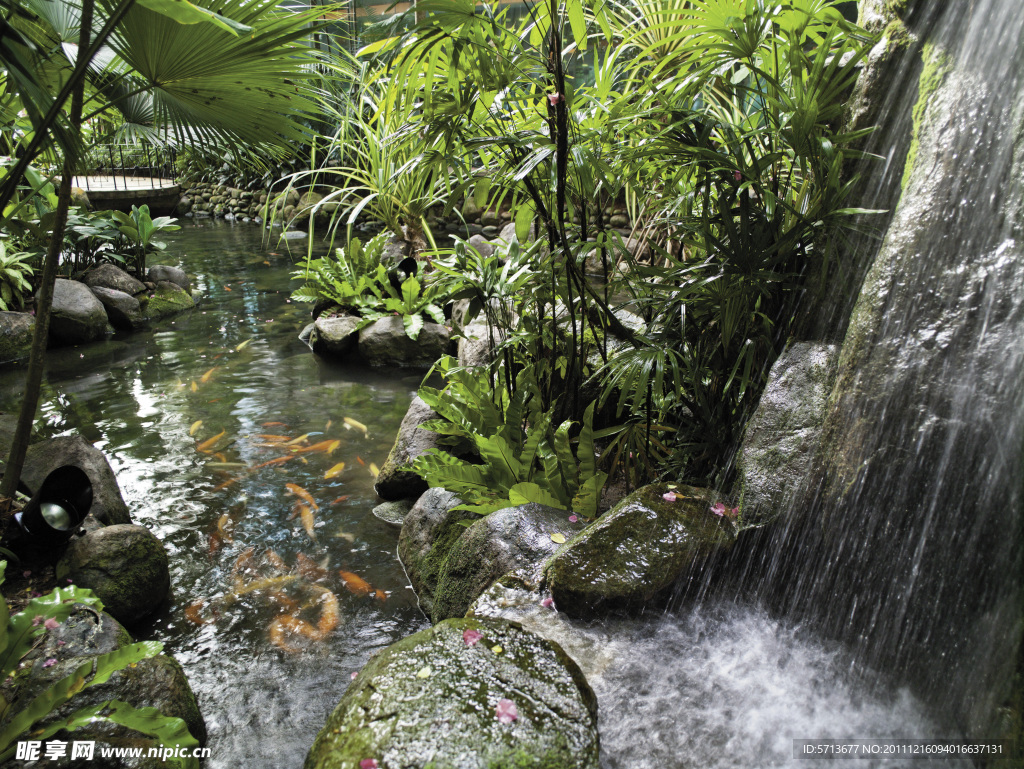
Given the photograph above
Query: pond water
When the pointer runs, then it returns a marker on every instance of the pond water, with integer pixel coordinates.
(137, 398)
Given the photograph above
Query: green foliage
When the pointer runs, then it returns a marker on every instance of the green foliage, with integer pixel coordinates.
(355, 280)
(14, 274)
(522, 456)
(91, 238)
(138, 229)
(19, 634)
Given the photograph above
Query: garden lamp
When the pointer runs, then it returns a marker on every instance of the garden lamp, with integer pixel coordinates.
(57, 509)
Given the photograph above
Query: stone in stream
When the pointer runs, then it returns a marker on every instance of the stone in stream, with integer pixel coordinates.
(334, 337)
(483, 246)
(428, 533)
(124, 565)
(157, 682)
(15, 335)
(43, 457)
(394, 512)
(464, 694)
(641, 547)
(123, 310)
(396, 479)
(76, 315)
(168, 298)
(175, 275)
(515, 539)
(385, 343)
(113, 277)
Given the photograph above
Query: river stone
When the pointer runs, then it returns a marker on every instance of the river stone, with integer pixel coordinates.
(429, 531)
(638, 549)
(385, 343)
(124, 565)
(113, 277)
(107, 504)
(307, 333)
(430, 701)
(512, 539)
(782, 436)
(168, 298)
(76, 315)
(15, 335)
(123, 310)
(474, 348)
(483, 246)
(157, 682)
(396, 479)
(394, 512)
(175, 275)
(334, 337)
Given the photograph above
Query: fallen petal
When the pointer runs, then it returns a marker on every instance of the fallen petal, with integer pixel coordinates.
(424, 672)
(548, 602)
(558, 539)
(573, 519)
(50, 662)
(506, 711)
(669, 496)
(471, 636)
(51, 624)
(368, 763)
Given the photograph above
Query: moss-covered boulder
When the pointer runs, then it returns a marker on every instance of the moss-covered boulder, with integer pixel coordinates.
(15, 335)
(44, 457)
(157, 682)
(125, 566)
(641, 547)
(396, 479)
(444, 699)
(334, 337)
(429, 532)
(516, 539)
(76, 316)
(385, 343)
(167, 299)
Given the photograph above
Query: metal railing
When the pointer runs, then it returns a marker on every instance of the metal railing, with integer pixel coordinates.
(126, 166)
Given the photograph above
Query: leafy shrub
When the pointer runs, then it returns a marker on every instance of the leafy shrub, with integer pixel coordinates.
(14, 274)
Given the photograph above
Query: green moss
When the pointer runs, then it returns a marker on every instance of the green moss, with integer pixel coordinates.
(896, 37)
(936, 66)
(896, 7)
(168, 300)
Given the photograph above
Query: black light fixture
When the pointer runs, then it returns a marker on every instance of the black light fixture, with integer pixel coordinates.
(57, 509)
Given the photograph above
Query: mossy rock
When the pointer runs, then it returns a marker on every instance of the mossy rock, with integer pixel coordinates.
(430, 701)
(429, 532)
(640, 548)
(125, 566)
(168, 299)
(16, 330)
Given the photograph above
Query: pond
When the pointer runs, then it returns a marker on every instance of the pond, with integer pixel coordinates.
(235, 364)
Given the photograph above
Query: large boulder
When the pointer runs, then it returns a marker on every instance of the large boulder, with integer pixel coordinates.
(515, 539)
(476, 345)
(15, 335)
(113, 277)
(781, 439)
(157, 682)
(396, 479)
(176, 275)
(167, 299)
(446, 699)
(334, 337)
(483, 246)
(385, 343)
(124, 565)
(394, 512)
(76, 315)
(643, 546)
(107, 504)
(429, 531)
(123, 310)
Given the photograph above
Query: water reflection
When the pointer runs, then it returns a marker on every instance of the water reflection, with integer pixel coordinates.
(137, 397)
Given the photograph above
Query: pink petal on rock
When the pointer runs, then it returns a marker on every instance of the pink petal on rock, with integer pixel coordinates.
(548, 602)
(50, 662)
(506, 711)
(368, 763)
(573, 519)
(51, 624)
(471, 636)
(719, 508)
(669, 496)
(355, 673)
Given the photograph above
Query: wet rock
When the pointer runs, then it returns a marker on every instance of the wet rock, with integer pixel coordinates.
(483, 246)
(334, 337)
(394, 512)
(113, 277)
(107, 504)
(168, 298)
(396, 478)
(15, 335)
(432, 700)
(76, 315)
(307, 333)
(176, 275)
(123, 310)
(385, 343)
(515, 539)
(474, 346)
(781, 439)
(124, 565)
(429, 531)
(470, 210)
(158, 682)
(636, 550)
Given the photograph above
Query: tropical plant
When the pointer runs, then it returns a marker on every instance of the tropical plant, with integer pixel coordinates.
(14, 274)
(138, 229)
(20, 633)
(522, 456)
(91, 237)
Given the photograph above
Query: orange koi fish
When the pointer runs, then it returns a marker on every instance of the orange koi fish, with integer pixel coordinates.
(310, 569)
(342, 498)
(278, 461)
(334, 471)
(228, 482)
(274, 424)
(273, 438)
(308, 521)
(209, 443)
(355, 584)
(302, 494)
(296, 441)
(206, 377)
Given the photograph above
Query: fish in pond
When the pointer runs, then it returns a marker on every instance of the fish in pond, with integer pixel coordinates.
(206, 377)
(308, 521)
(194, 386)
(225, 527)
(209, 443)
(243, 345)
(355, 584)
(296, 441)
(194, 613)
(328, 425)
(222, 486)
(310, 569)
(273, 462)
(288, 624)
(302, 494)
(345, 535)
(272, 438)
(353, 424)
(360, 461)
(335, 471)
(374, 470)
(195, 427)
(274, 424)
(342, 498)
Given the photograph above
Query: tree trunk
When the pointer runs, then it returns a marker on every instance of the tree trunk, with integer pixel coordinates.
(37, 356)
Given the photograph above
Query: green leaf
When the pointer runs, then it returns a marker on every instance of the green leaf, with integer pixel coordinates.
(522, 493)
(185, 12)
(577, 22)
(413, 325)
(588, 498)
(524, 218)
